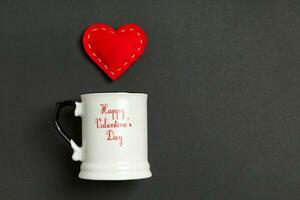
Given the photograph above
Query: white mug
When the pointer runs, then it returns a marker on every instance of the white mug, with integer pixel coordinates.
(114, 135)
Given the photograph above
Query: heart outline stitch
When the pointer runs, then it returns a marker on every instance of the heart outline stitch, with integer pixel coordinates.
(114, 72)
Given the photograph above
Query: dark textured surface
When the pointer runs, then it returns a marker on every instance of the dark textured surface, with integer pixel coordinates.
(223, 79)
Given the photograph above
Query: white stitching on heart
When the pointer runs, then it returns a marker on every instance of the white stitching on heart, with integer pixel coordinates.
(126, 62)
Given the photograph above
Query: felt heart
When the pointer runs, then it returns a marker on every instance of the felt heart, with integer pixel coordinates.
(114, 51)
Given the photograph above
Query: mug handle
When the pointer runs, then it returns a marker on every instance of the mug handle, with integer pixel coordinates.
(77, 151)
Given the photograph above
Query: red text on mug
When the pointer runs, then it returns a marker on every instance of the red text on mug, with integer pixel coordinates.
(112, 118)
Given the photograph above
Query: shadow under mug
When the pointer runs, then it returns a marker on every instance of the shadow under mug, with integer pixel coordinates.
(114, 135)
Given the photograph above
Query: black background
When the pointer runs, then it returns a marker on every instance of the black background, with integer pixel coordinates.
(224, 97)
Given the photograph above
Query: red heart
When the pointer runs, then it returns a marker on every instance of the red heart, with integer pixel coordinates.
(114, 50)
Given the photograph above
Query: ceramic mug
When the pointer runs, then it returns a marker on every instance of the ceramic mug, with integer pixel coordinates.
(114, 135)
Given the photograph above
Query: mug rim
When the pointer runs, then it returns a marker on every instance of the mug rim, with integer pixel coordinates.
(113, 93)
